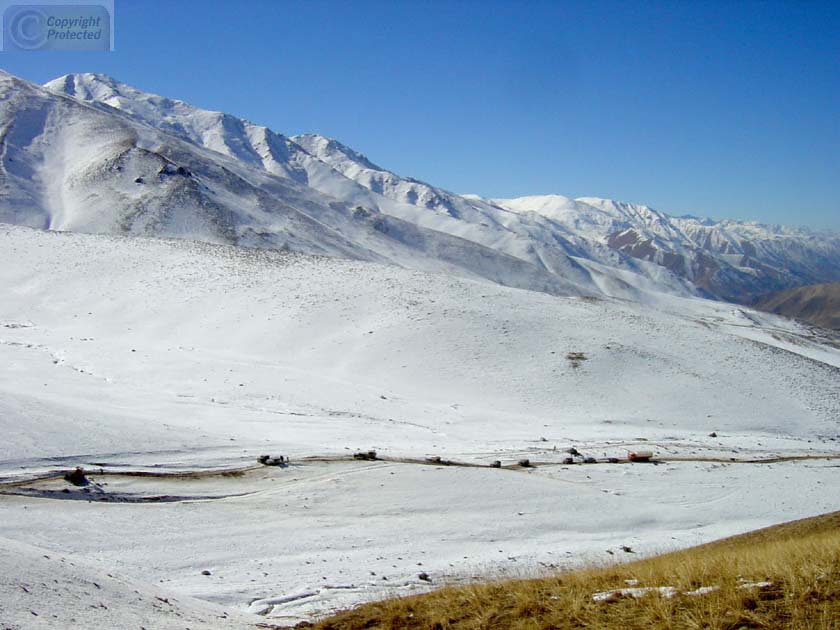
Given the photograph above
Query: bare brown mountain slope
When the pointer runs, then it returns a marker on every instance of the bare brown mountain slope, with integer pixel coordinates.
(817, 304)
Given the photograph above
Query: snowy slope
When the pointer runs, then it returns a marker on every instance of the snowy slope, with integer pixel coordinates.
(136, 354)
(41, 588)
(442, 351)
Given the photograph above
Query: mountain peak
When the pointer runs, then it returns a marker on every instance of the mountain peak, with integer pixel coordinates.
(85, 85)
(102, 88)
(319, 146)
(69, 81)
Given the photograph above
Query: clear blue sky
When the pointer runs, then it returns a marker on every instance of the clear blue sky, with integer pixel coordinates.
(724, 109)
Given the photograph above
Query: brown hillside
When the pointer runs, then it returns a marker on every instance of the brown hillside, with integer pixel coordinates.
(817, 304)
(780, 578)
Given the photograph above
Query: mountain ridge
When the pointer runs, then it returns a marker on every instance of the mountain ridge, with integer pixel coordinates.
(257, 187)
(119, 175)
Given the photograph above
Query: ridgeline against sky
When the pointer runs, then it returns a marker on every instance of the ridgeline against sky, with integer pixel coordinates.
(718, 109)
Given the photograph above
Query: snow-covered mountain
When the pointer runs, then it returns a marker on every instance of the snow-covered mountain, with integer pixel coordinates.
(343, 174)
(72, 165)
(728, 259)
(92, 154)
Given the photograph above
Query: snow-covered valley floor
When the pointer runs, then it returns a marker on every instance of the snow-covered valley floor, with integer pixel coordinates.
(131, 356)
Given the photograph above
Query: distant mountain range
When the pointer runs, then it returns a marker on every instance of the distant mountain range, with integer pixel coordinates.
(87, 153)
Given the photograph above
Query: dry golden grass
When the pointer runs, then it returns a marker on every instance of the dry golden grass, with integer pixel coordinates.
(801, 559)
